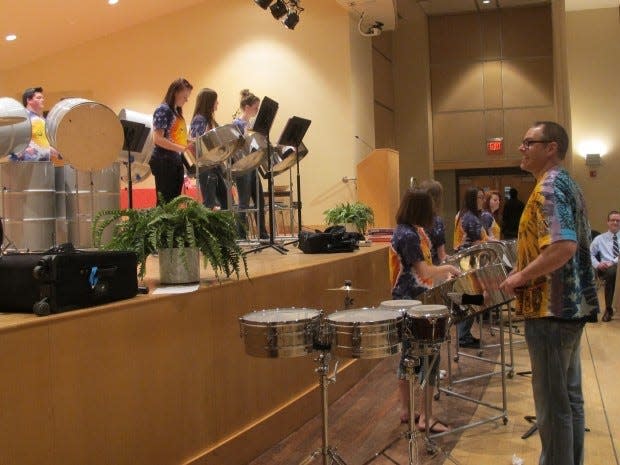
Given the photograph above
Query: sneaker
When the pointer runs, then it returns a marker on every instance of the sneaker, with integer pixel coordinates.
(470, 342)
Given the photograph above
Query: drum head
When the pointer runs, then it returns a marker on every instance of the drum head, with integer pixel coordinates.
(428, 311)
(400, 304)
(281, 315)
(364, 315)
(88, 135)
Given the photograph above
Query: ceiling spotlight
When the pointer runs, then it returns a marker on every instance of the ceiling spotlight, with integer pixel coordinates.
(263, 3)
(291, 20)
(10, 37)
(278, 9)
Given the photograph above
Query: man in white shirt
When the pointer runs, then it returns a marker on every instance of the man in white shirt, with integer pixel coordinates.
(604, 250)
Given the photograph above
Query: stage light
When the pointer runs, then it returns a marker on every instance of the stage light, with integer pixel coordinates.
(291, 20)
(278, 9)
(263, 3)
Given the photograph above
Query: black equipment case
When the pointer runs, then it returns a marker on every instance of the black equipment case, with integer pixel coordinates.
(49, 282)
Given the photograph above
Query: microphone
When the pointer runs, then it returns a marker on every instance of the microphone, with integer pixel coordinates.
(466, 299)
(364, 142)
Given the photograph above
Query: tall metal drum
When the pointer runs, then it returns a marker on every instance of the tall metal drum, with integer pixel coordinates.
(85, 194)
(87, 134)
(140, 169)
(28, 204)
(14, 138)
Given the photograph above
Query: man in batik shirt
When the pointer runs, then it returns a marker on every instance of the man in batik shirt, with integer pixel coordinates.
(554, 283)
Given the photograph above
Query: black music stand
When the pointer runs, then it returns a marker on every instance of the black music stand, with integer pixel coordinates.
(135, 137)
(292, 135)
(264, 120)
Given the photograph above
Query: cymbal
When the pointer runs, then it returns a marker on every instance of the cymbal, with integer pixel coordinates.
(9, 120)
(347, 288)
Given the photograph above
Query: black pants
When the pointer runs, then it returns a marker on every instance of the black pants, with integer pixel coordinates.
(213, 187)
(609, 276)
(168, 172)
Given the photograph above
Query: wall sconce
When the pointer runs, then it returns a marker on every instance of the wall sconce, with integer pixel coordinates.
(593, 161)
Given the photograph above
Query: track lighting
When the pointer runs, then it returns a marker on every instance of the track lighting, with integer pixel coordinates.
(291, 20)
(278, 9)
(263, 3)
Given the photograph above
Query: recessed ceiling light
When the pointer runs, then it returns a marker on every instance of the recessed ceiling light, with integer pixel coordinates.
(486, 2)
(11, 37)
(112, 2)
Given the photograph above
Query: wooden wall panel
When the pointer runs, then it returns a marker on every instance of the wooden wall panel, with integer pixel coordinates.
(517, 122)
(528, 82)
(442, 33)
(457, 86)
(458, 136)
(492, 84)
(526, 32)
(491, 36)
(384, 127)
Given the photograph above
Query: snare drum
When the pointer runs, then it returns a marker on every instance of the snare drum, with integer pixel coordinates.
(365, 332)
(427, 324)
(280, 332)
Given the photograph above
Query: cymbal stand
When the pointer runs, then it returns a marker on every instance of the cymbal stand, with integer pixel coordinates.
(328, 454)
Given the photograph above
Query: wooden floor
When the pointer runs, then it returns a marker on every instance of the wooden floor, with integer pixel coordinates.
(365, 421)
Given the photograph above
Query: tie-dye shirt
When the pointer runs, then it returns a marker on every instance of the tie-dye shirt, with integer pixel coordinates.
(173, 125)
(468, 230)
(490, 225)
(411, 245)
(437, 236)
(555, 212)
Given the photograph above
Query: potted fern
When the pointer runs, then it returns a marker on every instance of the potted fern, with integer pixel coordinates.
(357, 214)
(179, 232)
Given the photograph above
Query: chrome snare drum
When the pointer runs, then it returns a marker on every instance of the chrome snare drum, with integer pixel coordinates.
(365, 332)
(280, 332)
(427, 324)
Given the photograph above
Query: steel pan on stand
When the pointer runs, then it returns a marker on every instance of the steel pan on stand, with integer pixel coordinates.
(250, 155)
(217, 145)
(15, 127)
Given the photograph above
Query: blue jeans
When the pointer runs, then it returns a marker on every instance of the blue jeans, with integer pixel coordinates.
(554, 347)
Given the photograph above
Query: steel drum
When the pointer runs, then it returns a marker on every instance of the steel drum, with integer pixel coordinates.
(402, 305)
(280, 332)
(28, 204)
(140, 169)
(250, 155)
(365, 332)
(15, 127)
(218, 144)
(477, 256)
(87, 134)
(80, 195)
(427, 324)
(283, 157)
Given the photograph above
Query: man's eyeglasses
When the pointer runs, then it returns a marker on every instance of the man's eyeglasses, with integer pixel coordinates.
(527, 143)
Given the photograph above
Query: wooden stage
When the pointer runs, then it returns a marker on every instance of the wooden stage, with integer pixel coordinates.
(165, 379)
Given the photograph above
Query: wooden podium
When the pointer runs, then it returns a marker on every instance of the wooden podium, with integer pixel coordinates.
(378, 185)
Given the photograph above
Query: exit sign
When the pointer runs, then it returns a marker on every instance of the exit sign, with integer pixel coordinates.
(495, 146)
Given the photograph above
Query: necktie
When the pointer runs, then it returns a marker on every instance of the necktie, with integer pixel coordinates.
(615, 245)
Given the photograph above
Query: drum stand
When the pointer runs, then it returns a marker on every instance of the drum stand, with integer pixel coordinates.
(412, 360)
(328, 454)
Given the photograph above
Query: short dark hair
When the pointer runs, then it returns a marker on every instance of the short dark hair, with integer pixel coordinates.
(514, 193)
(416, 208)
(553, 132)
(613, 212)
(29, 93)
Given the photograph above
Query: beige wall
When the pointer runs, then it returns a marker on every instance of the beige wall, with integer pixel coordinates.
(319, 71)
(593, 46)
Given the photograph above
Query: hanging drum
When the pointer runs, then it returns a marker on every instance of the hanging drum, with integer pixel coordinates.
(87, 134)
(140, 169)
(15, 128)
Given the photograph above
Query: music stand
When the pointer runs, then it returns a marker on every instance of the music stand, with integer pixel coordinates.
(135, 136)
(264, 120)
(292, 135)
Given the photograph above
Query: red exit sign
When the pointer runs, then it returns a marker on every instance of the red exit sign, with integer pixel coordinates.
(495, 146)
